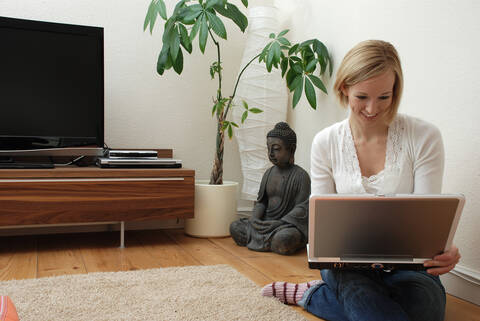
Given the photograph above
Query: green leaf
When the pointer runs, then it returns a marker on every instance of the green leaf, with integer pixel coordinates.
(162, 10)
(174, 44)
(180, 5)
(297, 67)
(283, 32)
(306, 43)
(148, 18)
(233, 13)
(195, 8)
(270, 56)
(169, 28)
(307, 53)
(225, 124)
(211, 3)
(213, 109)
(212, 72)
(310, 93)
(284, 66)
(195, 29)
(203, 34)
(330, 66)
(276, 53)
(297, 94)
(272, 36)
(255, 110)
(245, 105)
(296, 82)
(217, 25)
(264, 52)
(178, 63)
(320, 48)
(192, 16)
(318, 83)
(323, 64)
(311, 65)
(162, 59)
(294, 59)
(245, 3)
(184, 38)
(293, 49)
(244, 116)
(169, 62)
(291, 74)
(230, 131)
(284, 41)
(233, 124)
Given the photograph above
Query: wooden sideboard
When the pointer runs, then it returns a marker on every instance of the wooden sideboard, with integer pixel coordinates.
(91, 194)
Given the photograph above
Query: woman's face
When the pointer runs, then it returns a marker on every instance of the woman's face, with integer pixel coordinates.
(371, 99)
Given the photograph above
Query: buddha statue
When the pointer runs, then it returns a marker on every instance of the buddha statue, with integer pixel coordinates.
(279, 221)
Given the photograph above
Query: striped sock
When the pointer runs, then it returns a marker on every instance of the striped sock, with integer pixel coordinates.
(288, 293)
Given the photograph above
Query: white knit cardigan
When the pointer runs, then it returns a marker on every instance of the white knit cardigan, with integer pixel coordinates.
(414, 160)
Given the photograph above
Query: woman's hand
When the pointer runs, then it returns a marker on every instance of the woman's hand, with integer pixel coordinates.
(444, 262)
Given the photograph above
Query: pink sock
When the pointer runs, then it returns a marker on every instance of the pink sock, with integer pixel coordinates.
(286, 292)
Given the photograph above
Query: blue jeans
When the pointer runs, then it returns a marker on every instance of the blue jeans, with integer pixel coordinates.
(377, 295)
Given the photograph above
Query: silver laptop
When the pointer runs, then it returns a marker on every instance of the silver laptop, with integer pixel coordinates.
(380, 232)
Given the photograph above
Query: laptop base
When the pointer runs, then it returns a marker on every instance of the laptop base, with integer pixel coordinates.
(366, 266)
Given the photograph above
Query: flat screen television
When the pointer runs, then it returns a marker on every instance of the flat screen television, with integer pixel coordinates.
(51, 88)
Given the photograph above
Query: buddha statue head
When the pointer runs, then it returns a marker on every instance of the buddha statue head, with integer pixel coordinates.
(281, 145)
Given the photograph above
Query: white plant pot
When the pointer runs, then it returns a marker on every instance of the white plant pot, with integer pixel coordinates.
(215, 209)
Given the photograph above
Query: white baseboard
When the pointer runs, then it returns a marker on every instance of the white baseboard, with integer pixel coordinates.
(463, 283)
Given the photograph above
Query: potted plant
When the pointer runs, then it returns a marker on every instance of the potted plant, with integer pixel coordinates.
(203, 18)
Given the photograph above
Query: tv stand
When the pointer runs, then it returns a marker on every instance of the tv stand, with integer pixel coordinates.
(74, 194)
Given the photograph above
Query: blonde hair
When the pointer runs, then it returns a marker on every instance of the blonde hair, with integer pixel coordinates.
(368, 59)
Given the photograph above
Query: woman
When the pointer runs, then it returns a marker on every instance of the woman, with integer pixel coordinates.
(374, 151)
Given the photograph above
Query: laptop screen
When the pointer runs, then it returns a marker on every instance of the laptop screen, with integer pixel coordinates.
(381, 227)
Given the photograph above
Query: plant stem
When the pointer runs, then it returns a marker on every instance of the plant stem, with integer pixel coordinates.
(217, 44)
(216, 176)
(236, 84)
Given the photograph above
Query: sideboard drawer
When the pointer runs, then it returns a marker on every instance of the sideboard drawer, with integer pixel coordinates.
(81, 200)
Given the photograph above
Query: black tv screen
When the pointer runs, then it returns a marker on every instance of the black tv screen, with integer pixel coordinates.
(51, 85)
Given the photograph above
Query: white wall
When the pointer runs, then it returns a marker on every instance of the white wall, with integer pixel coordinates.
(143, 109)
(438, 45)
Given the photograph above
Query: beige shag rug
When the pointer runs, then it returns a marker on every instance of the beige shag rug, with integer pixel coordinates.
(215, 292)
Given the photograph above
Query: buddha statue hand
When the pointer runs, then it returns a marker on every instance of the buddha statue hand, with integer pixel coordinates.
(266, 226)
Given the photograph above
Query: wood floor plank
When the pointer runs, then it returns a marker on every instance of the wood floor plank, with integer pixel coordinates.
(458, 309)
(105, 255)
(101, 253)
(165, 250)
(290, 268)
(207, 253)
(57, 257)
(18, 258)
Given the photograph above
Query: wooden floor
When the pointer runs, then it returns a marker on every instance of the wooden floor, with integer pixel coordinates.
(23, 257)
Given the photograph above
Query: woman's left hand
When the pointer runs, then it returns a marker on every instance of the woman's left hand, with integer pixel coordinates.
(444, 262)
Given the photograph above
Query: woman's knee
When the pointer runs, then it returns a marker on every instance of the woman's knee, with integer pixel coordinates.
(422, 296)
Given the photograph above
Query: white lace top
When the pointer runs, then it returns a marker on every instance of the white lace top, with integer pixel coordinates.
(414, 160)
